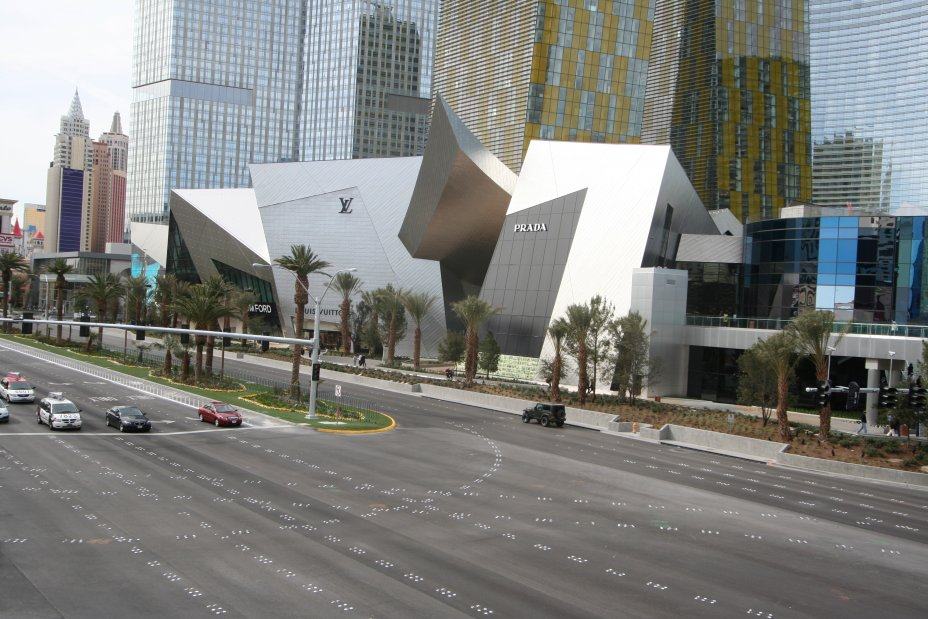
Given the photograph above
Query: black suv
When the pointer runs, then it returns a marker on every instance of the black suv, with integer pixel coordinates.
(546, 414)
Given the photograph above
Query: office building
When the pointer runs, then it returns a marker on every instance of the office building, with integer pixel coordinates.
(68, 183)
(869, 114)
(298, 80)
(728, 89)
(517, 70)
(367, 82)
(33, 218)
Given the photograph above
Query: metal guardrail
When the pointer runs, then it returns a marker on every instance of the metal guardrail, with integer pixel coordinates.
(777, 324)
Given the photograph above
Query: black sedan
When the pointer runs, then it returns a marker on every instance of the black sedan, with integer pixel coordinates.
(128, 419)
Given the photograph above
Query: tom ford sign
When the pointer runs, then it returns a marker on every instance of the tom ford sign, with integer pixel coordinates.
(530, 228)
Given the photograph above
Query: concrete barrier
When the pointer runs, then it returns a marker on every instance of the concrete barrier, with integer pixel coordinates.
(849, 469)
(725, 443)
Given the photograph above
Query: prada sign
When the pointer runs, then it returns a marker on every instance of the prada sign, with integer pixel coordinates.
(346, 205)
(530, 228)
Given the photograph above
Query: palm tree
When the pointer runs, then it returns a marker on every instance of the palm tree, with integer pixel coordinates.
(557, 331)
(473, 311)
(60, 268)
(221, 291)
(579, 318)
(778, 354)
(8, 263)
(181, 290)
(164, 297)
(102, 290)
(346, 284)
(813, 335)
(136, 298)
(418, 305)
(20, 288)
(391, 303)
(372, 332)
(201, 308)
(302, 262)
(173, 345)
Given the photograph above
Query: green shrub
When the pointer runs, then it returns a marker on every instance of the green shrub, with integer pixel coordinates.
(872, 452)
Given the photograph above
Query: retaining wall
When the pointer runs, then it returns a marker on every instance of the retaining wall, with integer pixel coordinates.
(837, 467)
(724, 442)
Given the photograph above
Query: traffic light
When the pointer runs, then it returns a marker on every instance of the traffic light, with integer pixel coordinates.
(853, 396)
(823, 393)
(888, 395)
(917, 396)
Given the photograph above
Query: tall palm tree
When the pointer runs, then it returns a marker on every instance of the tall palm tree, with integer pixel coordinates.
(372, 331)
(473, 312)
(778, 354)
(418, 305)
(136, 298)
(557, 331)
(579, 318)
(60, 268)
(8, 264)
(164, 297)
(20, 287)
(221, 291)
(302, 262)
(391, 302)
(346, 284)
(103, 291)
(813, 332)
(200, 307)
(181, 290)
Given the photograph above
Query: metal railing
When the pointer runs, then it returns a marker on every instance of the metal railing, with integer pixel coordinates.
(776, 324)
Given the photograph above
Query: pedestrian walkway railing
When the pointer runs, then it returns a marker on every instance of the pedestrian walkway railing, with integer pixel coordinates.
(776, 324)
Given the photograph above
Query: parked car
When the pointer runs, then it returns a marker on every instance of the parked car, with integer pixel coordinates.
(220, 414)
(58, 413)
(15, 388)
(4, 414)
(546, 414)
(128, 419)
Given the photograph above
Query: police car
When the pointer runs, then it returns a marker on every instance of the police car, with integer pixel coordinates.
(15, 388)
(58, 413)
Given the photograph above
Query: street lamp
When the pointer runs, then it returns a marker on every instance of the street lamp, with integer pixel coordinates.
(892, 355)
(830, 350)
(317, 301)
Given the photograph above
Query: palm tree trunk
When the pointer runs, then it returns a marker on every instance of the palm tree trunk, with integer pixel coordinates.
(391, 338)
(210, 346)
(59, 307)
(416, 348)
(581, 370)
(185, 367)
(198, 370)
(346, 311)
(824, 413)
(295, 367)
(470, 363)
(782, 400)
(556, 375)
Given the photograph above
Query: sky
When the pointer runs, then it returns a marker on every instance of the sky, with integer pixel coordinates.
(49, 49)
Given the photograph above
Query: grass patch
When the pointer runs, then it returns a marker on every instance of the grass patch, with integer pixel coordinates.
(250, 396)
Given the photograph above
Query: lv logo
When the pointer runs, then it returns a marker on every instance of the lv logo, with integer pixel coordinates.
(346, 205)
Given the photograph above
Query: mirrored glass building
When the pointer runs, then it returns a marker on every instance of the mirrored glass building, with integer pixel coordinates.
(220, 85)
(869, 103)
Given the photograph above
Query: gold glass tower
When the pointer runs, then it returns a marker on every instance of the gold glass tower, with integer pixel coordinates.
(516, 70)
(728, 89)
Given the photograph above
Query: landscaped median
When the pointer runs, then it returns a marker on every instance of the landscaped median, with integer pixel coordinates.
(331, 416)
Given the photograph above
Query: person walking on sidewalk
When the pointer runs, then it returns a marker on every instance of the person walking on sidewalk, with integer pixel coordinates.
(863, 423)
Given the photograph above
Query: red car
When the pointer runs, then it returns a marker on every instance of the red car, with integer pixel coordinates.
(220, 414)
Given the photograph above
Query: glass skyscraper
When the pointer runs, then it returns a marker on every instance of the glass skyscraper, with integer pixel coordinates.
(728, 89)
(222, 84)
(517, 70)
(869, 103)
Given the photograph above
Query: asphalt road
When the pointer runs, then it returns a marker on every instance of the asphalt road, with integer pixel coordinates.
(458, 512)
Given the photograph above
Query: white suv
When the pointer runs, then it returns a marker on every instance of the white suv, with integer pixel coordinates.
(15, 388)
(58, 413)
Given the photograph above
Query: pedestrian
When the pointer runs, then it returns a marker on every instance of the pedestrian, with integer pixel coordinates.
(362, 362)
(896, 424)
(863, 423)
(890, 422)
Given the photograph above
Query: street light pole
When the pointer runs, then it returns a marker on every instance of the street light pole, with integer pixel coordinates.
(831, 349)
